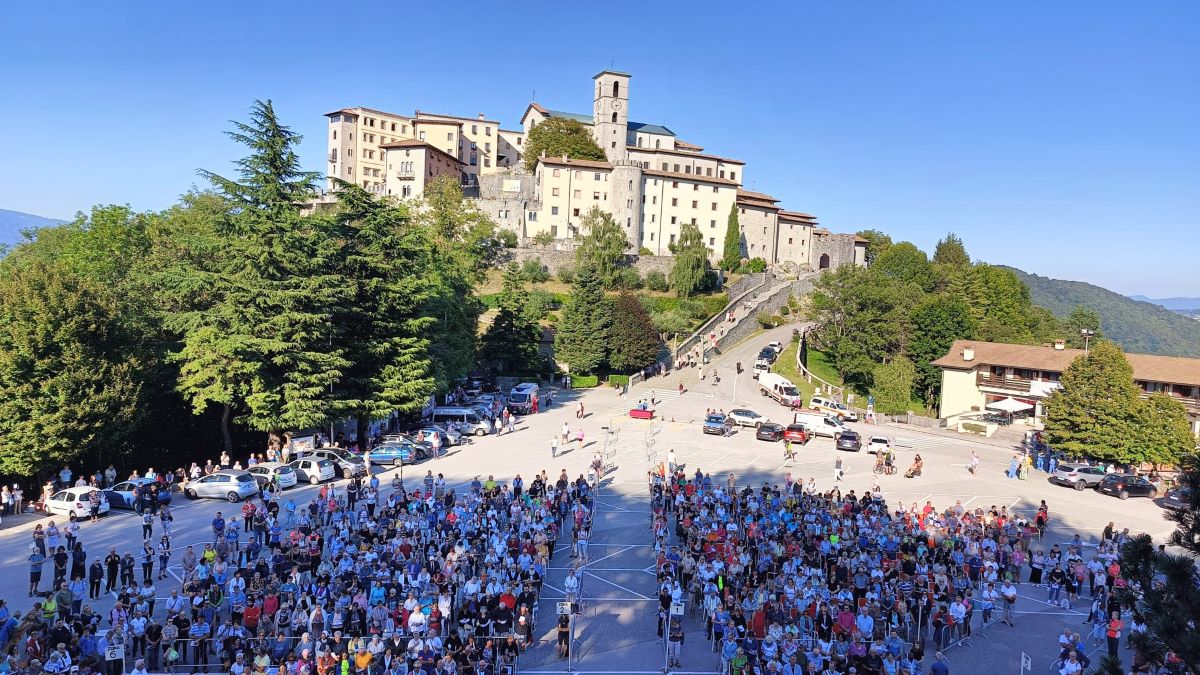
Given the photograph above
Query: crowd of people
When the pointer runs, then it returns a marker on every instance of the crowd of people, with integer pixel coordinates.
(794, 580)
(364, 578)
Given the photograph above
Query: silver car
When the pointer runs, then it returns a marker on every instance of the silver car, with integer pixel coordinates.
(1078, 476)
(232, 486)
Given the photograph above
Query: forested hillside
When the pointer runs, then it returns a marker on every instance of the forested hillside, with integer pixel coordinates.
(1136, 326)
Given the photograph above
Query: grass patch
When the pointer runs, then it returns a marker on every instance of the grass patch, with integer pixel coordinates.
(819, 365)
(785, 365)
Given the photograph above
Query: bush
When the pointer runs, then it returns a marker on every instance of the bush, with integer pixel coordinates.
(629, 279)
(769, 320)
(785, 310)
(566, 274)
(757, 265)
(542, 303)
(657, 281)
(551, 318)
(645, 251)
(543, 238)
(621, 380)
(584, 381)
(508, 238)
(534, 271)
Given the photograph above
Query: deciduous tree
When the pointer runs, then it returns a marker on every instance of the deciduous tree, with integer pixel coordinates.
(1164, 435)
(1092, 413)
(892, 385)
(877, 243)
(558, 136)
(936, 324)
(1080, 319)
(602, 246)
(906, 262)
(634, 339)
(691, 262)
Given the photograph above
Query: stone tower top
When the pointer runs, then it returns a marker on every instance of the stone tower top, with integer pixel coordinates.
(610, 115)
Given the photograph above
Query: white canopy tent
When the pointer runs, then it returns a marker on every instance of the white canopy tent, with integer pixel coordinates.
(1009, 405)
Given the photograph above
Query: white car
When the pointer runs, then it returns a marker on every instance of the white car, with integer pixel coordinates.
(76, 502)
(313, 469)
(777, 346)
(878, 444)
(746, 418)
(834, 408)
(283, 475)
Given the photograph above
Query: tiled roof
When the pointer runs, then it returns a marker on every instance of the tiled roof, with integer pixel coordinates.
(1146, 367)
(567, 161)
(795, 215)
(693, 177)
(679, 153)
(418, 145)
(426, 120)
(360, 111)
(422, 114)
(687, 147)
(651, 128)
(761, 196)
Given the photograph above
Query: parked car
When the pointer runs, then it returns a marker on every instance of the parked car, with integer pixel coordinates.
(1078, 476)
(767, 354)
(835, 409)
(769, 431)
(120, 496)
(1177, 498)
(349, 464)
(1124, 486)
(746, 418)
(227, 484)
(427, 432)
(312, 470)
(75, 501)
(797, 433)
(283, 475)
(878, 444)
(849, 441)
(397, 453)
(716, 423)
(759, 368)
(775, 346)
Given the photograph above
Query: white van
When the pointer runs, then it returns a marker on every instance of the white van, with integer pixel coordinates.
(468, 420)
(780, 388)
(819, 422)
(838, 410)
(520, 399)
(760, 367)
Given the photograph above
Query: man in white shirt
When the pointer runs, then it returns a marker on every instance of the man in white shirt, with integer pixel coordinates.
(1009, 594)
(571, 586)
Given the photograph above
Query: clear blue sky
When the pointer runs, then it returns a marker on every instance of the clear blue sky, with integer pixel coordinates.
(1058, 137)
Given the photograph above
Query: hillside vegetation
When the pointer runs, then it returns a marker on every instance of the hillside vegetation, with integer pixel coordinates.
(1136, 326)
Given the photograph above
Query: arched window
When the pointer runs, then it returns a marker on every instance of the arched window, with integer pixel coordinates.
(824, 264)
(614, 118)
(616, 90)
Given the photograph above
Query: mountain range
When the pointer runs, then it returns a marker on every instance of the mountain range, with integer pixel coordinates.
(1137, 326)
(1185, 305)
(13, 222)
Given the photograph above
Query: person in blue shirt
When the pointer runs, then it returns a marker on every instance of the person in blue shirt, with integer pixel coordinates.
(218, 528)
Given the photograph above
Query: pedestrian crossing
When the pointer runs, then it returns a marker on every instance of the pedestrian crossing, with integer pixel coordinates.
(922, 442)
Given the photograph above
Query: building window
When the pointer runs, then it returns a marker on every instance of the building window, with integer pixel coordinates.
(651, 236)
(487, 131)
(553, 192)
(406, 191)
(652, 217)
(732, 175)
(575, 212)
(694, 203)
(629, 203)
(764, 230)
(672, 239)
(714, 189)
(676, 168)
(630, 185)
(672, 220)
(653, 199)
(687, 168)
(712, 223)
(696, 187)
(639, 141)
(657, 143)
(616, 90)
(674, 201)
(421, 135)
(714, 206)
(596, 176)
(554, 210)
(474, 130)
(487, 161)
(693, 221)
(335, 134)
(533, 216)
(577, 194)
(789, 241)
(675, 184)
(614, 119)
(708, 171)
(712, 241)
(666, 167)
(721, 173)
(596, 195)
(556, 173)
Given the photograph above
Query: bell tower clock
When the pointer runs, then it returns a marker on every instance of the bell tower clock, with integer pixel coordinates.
(610, 120)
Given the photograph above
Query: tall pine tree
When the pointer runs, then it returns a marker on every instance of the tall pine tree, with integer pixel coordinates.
(732, 252)
(583, 334)
(257, 334)
(511, 342)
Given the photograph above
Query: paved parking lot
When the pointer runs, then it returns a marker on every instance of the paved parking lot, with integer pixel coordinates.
(616, 632)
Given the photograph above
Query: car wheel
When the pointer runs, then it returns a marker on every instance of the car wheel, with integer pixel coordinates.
(397, 462)
(189, 493)
(480, 432)
(757, 425)
(233, 497)
(762, 392)
(1152, 493)
(71, 514)
(1080, 485)
(1123, 494)
(313, 480)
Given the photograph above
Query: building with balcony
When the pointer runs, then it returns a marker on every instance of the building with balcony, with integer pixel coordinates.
(976, 374)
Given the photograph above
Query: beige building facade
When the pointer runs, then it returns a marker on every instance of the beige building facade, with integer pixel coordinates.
(978, 374)
(413, 164)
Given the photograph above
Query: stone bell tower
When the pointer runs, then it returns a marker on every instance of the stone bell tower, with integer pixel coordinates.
(610, 115)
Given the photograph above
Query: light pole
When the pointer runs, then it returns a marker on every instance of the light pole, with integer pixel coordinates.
(1087, 334)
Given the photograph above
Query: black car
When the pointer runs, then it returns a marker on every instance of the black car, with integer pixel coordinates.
(768, 355)
(1177, 499)
(769, 431)
(1124, 486)
(849, 441)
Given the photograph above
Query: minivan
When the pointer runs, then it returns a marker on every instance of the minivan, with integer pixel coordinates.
(520, 399)
(468, 420)
(819, 422)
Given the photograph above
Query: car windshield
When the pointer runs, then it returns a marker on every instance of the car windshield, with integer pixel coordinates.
(518, 398)
(715, 418)
(244, 478)
(285, 469)
(790, 391)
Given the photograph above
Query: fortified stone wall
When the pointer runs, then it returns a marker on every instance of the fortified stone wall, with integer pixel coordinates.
(555, 258)
(839, 248)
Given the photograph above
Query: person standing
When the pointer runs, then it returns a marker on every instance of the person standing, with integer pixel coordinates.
(1009, 593)
(674, 643)
(36, 561)
(974, 466)
(553, 447)
(1114, 633)
(837, 470)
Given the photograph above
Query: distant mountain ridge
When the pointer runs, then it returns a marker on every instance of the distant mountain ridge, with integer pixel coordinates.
(1136, 326)
(1174, 304)
(12, 222)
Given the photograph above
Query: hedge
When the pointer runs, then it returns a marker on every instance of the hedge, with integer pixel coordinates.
(584, 381)
(618, 379)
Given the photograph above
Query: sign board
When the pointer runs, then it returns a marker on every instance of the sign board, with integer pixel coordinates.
(1026, 662)
(114, 653)
(677, 609)
(871, 401)
(510, 185)
(564, 608)
(300, 445)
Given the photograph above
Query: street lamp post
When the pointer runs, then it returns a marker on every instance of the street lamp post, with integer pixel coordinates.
(1087, 334)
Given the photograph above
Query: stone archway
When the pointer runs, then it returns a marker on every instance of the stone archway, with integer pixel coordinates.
(824, 263)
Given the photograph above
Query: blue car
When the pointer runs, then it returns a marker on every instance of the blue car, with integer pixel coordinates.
(398, 452)
(718, 424)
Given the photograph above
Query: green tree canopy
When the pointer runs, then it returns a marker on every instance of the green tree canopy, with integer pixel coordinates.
(951, 252)
(892, 384)
(732, 250)
(511, 342)
(1092, 413)
(634, 339)
(936, 324)
(691, 262)
(582, 338)
(70, 385)
(558, 136)
(877, 243)
(906, 262)
(602, 246)
(1080, 319)
(1164, 435)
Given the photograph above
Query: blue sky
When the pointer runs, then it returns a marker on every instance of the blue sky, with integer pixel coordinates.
(1060, 137)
